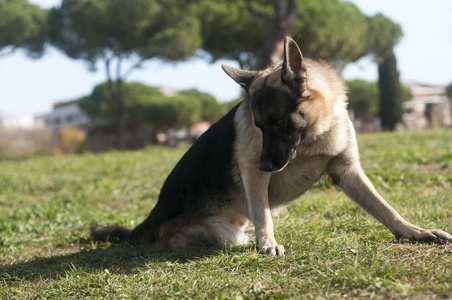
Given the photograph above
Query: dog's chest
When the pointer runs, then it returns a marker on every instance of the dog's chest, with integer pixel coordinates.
(295, 179)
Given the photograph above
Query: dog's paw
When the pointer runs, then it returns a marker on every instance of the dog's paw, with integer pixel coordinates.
(430, 236)
(276, 250)
(439, 236)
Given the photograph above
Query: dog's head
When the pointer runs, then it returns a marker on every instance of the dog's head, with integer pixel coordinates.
(276, 94)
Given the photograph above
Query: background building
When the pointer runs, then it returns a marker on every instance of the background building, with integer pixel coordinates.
(430, 107)
(66, 114)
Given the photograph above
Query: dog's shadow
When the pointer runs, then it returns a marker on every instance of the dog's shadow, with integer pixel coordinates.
(116, 258)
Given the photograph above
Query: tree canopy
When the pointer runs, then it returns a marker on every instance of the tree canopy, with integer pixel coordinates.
(382, 36)
(148, 106)
(178, 111)
(22, 25)
(332, 30)
(326, 29)
(96, 30)
(229, 32)
(112, 31)
(99, 107)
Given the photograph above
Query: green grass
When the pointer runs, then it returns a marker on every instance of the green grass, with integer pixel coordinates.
(47, 206)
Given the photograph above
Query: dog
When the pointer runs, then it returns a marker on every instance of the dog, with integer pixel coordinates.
(291, 129)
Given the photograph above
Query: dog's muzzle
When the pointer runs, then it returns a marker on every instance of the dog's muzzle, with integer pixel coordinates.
(266, 166)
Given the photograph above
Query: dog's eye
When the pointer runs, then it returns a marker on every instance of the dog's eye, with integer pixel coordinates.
(301, 114)
(306, 98)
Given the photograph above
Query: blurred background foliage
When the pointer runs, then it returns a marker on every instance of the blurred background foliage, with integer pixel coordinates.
(22, 25)
(150, 106)
(121, 35)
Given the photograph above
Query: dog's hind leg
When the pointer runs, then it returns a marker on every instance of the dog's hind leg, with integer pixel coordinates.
(228, 227)
(210, 232)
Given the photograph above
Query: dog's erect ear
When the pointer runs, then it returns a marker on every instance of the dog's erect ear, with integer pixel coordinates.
(293, 61)
(242, 77)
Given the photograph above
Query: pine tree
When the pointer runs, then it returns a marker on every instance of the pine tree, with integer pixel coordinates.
(390, 93)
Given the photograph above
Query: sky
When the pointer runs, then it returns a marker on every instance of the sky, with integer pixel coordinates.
(31, 86)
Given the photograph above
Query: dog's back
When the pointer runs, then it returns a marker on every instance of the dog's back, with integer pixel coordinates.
(200, 185)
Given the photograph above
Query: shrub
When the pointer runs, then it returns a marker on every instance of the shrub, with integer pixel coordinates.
(73, 140)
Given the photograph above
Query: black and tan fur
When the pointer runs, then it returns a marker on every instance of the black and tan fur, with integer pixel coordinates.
(291, 129)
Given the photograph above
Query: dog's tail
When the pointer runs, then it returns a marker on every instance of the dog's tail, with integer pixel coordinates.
(111, 233)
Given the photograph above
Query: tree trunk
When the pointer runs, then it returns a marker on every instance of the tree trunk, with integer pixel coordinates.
(121, 121)
(278, 27)
(390, 93)
(117, 101)
(272, 48)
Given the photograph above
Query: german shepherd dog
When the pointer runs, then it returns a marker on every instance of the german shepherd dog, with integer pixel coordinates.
(291, 129)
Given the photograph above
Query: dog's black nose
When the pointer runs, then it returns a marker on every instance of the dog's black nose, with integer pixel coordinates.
(266, 166)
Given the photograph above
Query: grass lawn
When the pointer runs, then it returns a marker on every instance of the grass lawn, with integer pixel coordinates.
(48, 204)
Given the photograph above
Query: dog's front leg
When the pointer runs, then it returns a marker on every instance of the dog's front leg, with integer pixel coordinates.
(256, 188)
(357, 186)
